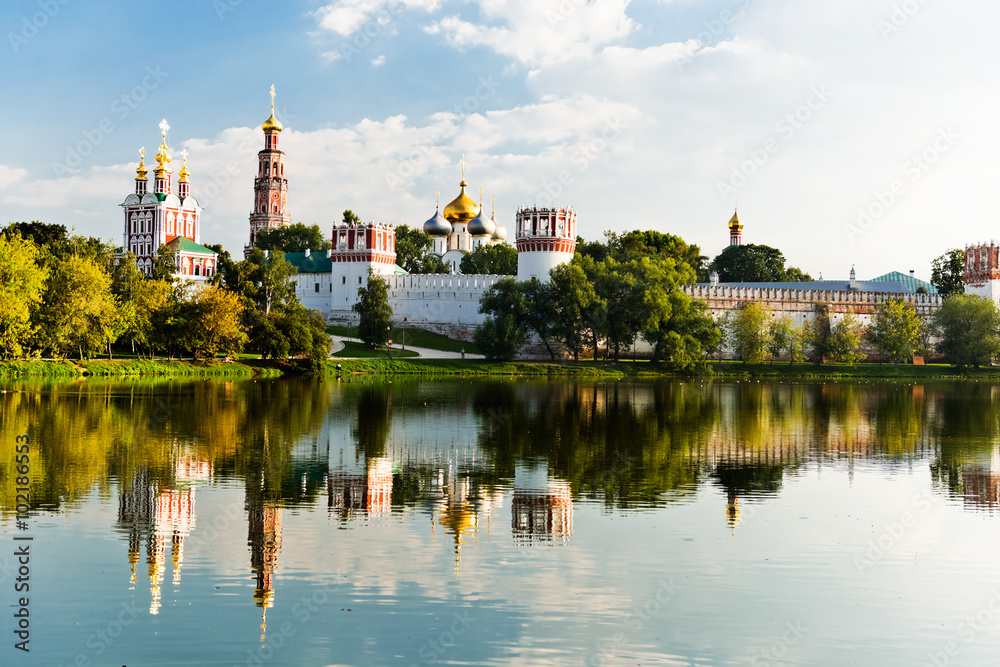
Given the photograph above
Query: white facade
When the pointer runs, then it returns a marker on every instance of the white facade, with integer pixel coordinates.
(546, 238)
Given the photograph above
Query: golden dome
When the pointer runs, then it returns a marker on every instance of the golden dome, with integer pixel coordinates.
(162, 158)
(183, 175)
(734, 222)
(140, 173)
(272, 124)
(462, 209)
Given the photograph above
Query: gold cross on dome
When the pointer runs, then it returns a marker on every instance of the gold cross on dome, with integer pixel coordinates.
(437, 196)
(463, 163)
(272, 98)
(184, 154)
(480, 196)
(142, 153)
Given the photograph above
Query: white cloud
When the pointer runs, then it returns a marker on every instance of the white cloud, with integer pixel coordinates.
(10, 175)
(539, 32)
(379, 61)
(345, 17)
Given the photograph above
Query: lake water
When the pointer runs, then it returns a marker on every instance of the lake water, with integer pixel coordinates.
(428, 522)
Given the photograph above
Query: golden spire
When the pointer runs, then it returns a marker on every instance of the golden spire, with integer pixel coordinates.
(162, 157)
(463, 163)
(437, 198)
(183, 175)
(140, 173)
(494, 207)
(272, 124)
(480, 196)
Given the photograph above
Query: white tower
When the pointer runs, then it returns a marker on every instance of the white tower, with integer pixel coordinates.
(356, 249)
(546, 238)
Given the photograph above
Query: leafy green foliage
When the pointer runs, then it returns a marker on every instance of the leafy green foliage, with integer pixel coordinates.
(968, 330)
(292, 238)
(413, 252)
(213, 322)
(576, 304)
(267, 279)
(947, 272)
(748, 331)
(374, 311)
(497, 259)
(79, 313)
(502, 334)
(896, 331)
(164, 264)
(754, 263)
(22, 284)
(39, 233)
(845, 339)
(540, 311)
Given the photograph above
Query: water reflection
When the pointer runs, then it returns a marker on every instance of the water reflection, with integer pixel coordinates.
(469, 458)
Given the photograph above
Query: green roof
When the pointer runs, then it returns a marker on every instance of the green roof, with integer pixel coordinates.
(316, 262)
(907, 280)
(187, 245)
(399, 271)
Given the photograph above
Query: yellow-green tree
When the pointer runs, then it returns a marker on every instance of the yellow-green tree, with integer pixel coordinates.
(80, 313)
(214, 322)
(896, 330)
(22, 282)
(747, 331)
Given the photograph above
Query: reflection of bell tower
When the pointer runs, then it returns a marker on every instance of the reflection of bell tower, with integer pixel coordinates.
(732, 508)
(264, 527)
(369, 493)
(135, 514)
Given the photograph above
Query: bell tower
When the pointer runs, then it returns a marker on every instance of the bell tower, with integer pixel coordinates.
(270, 202)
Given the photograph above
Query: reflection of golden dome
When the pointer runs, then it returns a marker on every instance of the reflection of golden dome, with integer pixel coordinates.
(462, 209)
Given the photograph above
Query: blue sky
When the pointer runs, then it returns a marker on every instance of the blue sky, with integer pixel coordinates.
(860, 132)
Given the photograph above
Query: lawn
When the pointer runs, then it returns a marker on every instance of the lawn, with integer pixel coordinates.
(416, 338)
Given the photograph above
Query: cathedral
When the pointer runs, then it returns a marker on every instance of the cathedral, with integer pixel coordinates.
(161, 217)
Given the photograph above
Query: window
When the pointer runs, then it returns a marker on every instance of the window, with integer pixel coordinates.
(331, 288)
(343, 281)
(317, 288)
(359, 280)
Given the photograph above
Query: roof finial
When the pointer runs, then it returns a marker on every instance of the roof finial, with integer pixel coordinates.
(480, 196)
(463, 163)
(437, 198)
(272, 99)
(164, 126)
(494, 206)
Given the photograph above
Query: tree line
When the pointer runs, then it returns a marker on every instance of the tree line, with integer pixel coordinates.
(64, 295)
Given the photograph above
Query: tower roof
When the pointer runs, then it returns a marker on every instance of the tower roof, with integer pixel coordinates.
(462, 208)
(734, 222)
(140, 173)
(272, 124)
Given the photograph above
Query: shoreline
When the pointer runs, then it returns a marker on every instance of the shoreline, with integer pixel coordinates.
(256, 368)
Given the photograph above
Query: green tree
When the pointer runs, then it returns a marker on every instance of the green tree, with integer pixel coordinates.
(818, 334)
(637, 244)
(164, 264)
(575, 300)
(687, 336)
(502, 333)
(781, 336)
(292, 238)
(292, 330)
(22, 285)
(845, 339)
(754, 263)
(968, 330)
(267, 279)
(947, 272)
(374, 311)
(152, 300)
(40, 233)
(80, 312)
(351, 219)
(596, 250)
(496, 259)
(747, 331)
(896, 331)
(413, 252)
(540, 311)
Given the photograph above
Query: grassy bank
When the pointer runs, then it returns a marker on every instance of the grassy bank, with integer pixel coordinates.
(137, 367)
(415, 338)
(361, 351)
(479, 367)
(38, 368)
(844, 371)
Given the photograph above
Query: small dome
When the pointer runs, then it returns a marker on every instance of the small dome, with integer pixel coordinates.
(437, 225)
(482, 226)
(272, 124)
(462, 209)
(500, 233)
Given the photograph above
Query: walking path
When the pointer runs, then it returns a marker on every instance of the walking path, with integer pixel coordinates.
(424, 352)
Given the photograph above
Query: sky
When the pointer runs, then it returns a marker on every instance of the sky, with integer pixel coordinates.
(851, 133)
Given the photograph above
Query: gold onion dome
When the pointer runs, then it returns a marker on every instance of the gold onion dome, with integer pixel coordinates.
(184, 173)
(462, 209)
(141, 172)
(162, 158)
(734, 222)
(272, 124)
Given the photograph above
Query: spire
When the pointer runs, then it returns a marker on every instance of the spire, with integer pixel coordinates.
(735, 227)
(464, 164)
(437, 199)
